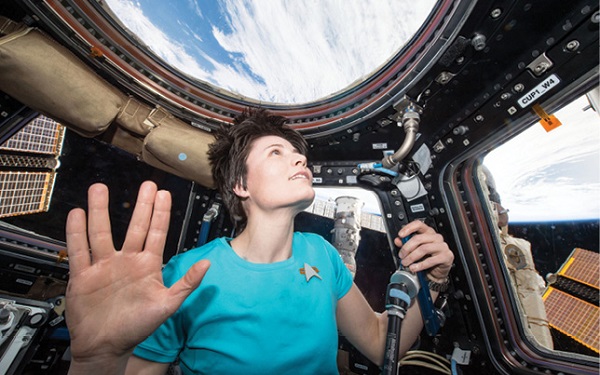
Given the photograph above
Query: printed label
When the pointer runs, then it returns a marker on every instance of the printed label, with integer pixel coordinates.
(24, 282)
(417, 208)
(539, 90)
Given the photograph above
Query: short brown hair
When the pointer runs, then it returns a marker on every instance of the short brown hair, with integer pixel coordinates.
(229, 152)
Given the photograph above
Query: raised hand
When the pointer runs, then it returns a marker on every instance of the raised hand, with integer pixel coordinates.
(115, 299)
(426, 250)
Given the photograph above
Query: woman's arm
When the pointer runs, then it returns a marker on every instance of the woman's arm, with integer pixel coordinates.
(116, 298)
(367, 330)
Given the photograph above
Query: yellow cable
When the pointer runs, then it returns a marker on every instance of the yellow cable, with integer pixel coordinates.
(430, 366)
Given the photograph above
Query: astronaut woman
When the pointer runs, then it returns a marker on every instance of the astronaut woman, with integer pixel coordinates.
(269, 301)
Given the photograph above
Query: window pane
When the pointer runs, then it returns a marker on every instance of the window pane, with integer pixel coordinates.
(275, 51)
(545, 195)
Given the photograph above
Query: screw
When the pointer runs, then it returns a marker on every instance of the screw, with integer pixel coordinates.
(443, 78)
(478, 42)
(460, 130)
(572, 46)
(541, 68)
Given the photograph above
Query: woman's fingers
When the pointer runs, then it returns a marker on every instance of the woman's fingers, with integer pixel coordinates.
(159, 225)
(425, 248)
(78, 247)
(429, 255)
(187, 284)
(99, 230)
(140, 220)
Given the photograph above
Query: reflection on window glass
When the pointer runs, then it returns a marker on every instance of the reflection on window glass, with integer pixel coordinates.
(276, 51)
(543, 190)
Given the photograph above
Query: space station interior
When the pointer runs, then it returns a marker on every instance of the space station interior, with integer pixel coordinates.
(82, 101)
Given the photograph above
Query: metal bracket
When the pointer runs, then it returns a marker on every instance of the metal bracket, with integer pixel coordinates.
(540, 65)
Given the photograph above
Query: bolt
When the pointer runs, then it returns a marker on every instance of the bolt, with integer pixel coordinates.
(572, 46)
(496, 13)
(443, 78)
(478, 42)
(541, 68)
(460, 130)
(519, 87)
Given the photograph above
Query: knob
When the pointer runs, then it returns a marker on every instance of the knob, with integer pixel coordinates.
(4, 315)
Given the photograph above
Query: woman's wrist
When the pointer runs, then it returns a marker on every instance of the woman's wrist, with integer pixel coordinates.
(436, 284)
(109, 365)
(436, 279)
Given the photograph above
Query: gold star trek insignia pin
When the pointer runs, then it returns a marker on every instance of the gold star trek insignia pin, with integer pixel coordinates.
(310, 271)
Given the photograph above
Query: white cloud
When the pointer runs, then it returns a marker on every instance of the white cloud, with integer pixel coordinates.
(196, 7)
(304, 50)
(296, 51)
(133, 17)
(552, 175)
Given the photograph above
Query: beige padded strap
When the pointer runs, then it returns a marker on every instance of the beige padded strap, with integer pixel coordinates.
(8, 26)
(47, 77)
(133, 117)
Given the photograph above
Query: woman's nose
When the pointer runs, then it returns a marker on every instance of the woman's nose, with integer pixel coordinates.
(300, 160)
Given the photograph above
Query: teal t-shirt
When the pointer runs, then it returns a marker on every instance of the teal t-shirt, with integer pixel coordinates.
(249, 318)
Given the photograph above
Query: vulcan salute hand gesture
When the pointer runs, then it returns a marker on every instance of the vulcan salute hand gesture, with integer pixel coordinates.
(115, 299)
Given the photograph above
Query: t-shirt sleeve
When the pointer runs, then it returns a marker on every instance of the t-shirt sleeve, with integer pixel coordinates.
(166, 342)
(344, 280)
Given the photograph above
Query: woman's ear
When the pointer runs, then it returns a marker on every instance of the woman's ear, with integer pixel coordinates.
(240, 190)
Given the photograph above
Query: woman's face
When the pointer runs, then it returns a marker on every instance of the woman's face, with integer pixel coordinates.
(277, 176)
